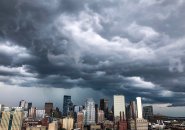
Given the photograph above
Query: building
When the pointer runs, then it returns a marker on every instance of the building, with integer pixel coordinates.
(39, 127)
(78, 108)
(40, 114)
(119, 106)
(122, 124)
(32, 112)
(67, 123)
(139, 108)
(23, 104)
(133, 109)
(80, 120)
(6, 117)
(148, 112)
(48, 108)
(96, 113)
(53, 126)
(104, 106)
(141, 124)
(131, 124)
(90, 112)
(100, 116)
(17, 121)
(29, 106)
(1, 108)
(67, 104)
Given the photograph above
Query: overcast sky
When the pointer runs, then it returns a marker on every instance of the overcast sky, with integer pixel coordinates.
(92, 48)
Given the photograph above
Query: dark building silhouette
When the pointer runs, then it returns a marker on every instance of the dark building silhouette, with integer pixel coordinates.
(148, 112)
(67, 105)
(48, 108)
(104, 106)
(96, 113)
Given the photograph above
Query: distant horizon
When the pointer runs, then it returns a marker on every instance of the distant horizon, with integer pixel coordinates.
(96, 49)
(159, 108)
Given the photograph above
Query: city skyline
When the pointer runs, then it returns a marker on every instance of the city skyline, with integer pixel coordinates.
(93, 49)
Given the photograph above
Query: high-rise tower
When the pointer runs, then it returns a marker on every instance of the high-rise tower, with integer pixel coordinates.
(119, 106)
(66, 105)
(89, 111)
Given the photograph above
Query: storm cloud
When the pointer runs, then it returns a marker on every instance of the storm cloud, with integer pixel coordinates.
(135, 48)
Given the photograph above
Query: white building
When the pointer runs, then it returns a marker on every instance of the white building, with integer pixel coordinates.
(40, 114)
(139, 108)
(90, 111)
(119, 106)
(68, 123)
(1, 107)
(141, 124)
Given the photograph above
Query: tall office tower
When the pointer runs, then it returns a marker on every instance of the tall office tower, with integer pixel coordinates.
(90, 112)
(141, 124)
(6, 117)
(48, 108)
(100, 116)
(119, 106)
(17, 121)
(32, 112)
(68, 123)
(22, 103)
(53, 126)
(104, 106)
(80, 120)
(148, 112)
(132, 116)
(67, 103)
(133, 109)
(139, 108)
(96, 113)
(29, 106)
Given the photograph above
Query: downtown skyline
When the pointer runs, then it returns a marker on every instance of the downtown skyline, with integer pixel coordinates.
(93, 49)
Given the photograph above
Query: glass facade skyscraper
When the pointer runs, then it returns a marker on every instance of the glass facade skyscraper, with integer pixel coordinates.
(89, 112)
(67, 104)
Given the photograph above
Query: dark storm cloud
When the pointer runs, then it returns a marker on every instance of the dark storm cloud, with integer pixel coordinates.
(134, 48)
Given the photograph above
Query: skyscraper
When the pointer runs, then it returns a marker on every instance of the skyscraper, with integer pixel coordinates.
(48, 108)
(139, 108)
(90, 112)
(17, 120)
(6, 116)
(66, 105)
(12, 119)
(141, 124)
(80, 120)
(148, 112)
(119, 106)
(22, 103)
(104, 106)
(100, 116)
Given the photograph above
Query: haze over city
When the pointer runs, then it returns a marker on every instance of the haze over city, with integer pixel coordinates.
(83, 48)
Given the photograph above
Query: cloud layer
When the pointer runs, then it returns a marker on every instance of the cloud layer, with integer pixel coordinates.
(131, 47)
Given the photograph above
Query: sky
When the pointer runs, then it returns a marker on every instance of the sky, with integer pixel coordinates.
(83, 48)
